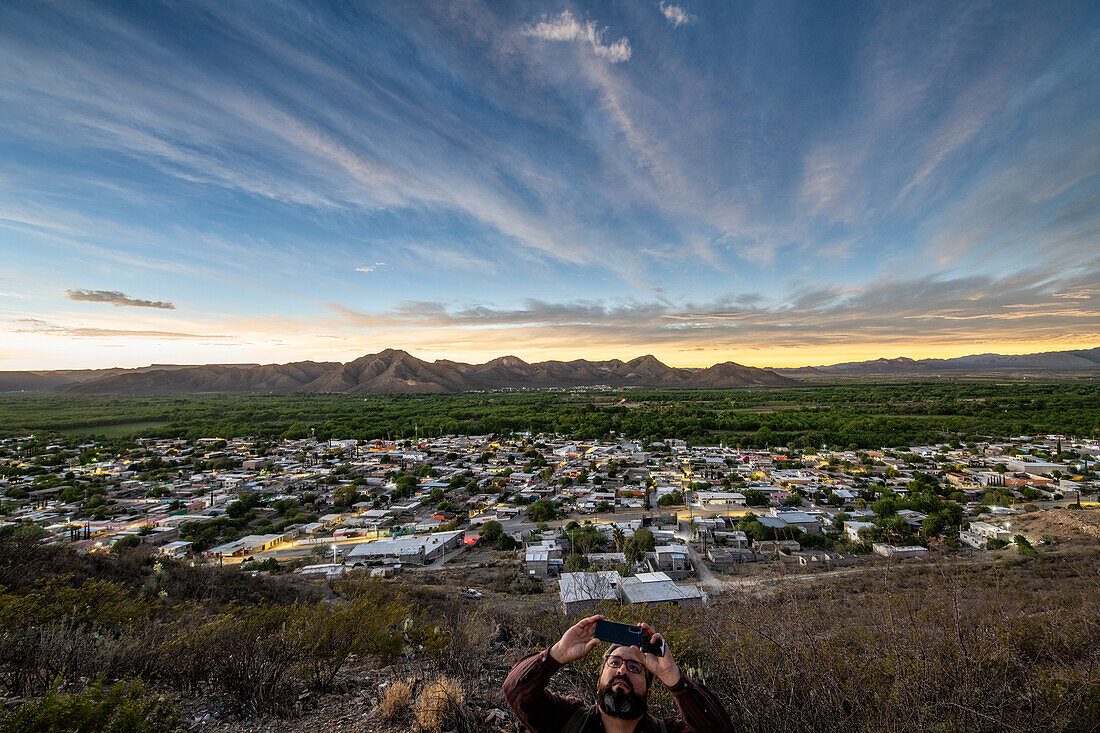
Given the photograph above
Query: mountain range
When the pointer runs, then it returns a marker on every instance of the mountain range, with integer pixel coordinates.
(388, 372)
(394, 371)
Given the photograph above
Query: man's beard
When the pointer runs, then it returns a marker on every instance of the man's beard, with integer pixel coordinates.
(620, 703)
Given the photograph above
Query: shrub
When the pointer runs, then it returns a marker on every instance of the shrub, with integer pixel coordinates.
(253, 657)
(125, 708)
(441, 705)
(394, 704)
(326, 636)
(1024, 547)
(127, 543)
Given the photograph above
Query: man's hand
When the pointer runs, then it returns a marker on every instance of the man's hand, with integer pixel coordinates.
(663, 668)
(576, 642)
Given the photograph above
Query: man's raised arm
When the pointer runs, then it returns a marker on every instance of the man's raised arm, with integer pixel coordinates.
(525, 686)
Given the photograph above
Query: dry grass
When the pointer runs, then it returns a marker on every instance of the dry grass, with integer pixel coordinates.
(441, 705)
(394, 704)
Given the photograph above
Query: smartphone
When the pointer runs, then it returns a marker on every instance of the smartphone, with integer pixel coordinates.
(627, 635)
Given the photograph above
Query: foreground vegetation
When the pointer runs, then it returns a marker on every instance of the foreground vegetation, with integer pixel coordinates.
(859, 416)
(1000, 643)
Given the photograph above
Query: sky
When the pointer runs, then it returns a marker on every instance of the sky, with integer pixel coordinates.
(772, 183)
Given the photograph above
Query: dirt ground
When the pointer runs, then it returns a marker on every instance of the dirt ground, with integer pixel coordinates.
(1064, 525)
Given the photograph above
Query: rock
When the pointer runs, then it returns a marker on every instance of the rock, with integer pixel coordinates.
(496, 715)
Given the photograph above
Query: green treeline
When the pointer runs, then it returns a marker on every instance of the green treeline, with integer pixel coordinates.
(862, 416)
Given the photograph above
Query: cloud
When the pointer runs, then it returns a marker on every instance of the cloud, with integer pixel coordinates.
(35, 325)
(566, 27)
(676, 15)
(936, 309)
(117, 299)
(370, 268)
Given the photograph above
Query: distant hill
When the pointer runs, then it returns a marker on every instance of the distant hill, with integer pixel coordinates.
(389, 372)
(60, 379)
(223, 378)
(1081, 360)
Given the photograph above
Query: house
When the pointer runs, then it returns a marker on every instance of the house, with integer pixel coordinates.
(246, 545)
(911, 517)
(735, 539)
(312, 529)
(543, 560)
(852, 529)
(671, 559)
(846, 496)
(654, 588)
(175, 550)
(582, 591)
(718, 499)
(794, 518)
(327, 571)
(774, 523)
(414, 549)
(1020, 465)
(606, 560)
(980, 533)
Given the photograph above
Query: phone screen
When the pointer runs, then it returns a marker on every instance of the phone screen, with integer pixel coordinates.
(627, 635)
(618, 633)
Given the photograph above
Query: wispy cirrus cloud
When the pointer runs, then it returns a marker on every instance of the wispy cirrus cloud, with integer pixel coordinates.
(117, 299)
(566, 27)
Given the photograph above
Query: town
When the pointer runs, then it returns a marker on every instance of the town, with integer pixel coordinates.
(593, 521)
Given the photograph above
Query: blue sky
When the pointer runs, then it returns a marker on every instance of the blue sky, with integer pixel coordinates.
(772, 183)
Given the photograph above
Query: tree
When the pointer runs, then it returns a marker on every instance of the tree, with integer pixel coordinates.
(634, 553)
(576, 563)
(885, 507)
(345, 496)
(126, 543)
(674, 498)
(645, 539)
(756, 497)
(491, 531)
(638, 545)
(541, 510)
(70, 494)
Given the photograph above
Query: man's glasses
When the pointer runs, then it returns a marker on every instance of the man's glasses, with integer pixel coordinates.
(631, 666)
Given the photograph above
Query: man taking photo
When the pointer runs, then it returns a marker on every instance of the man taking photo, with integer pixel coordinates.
(622, 692)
